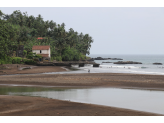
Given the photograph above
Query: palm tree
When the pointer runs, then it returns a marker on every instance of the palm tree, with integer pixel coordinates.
(1, 14)
(30, 21)
(63, 25)
(52, 25)
(59, 36)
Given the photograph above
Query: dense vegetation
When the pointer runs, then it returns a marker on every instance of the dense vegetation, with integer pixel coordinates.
(20, 29)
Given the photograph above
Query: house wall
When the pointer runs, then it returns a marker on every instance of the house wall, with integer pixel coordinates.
(43, 52)
(49, 53)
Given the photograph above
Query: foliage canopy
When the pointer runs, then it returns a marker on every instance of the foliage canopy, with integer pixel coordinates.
(20, 29)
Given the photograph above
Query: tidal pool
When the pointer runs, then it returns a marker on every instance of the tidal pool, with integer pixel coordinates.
(143, 100)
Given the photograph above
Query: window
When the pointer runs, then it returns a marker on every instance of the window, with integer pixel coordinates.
(40, 51)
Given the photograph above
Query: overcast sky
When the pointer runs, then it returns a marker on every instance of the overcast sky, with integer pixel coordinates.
(114, 30)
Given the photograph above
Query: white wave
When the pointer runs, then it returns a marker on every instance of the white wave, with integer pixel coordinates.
(114, 66)
(146, 72)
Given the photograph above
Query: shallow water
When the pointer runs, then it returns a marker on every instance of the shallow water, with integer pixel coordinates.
(143, 100)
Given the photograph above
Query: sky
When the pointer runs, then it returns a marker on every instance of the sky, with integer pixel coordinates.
(115, 30)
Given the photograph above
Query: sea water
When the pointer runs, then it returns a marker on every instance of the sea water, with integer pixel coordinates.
(146, 67)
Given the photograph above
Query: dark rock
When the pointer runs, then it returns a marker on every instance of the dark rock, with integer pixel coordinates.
(99, 58)
(90, 59)
(45, 64)
(81, 65)
(157, 63)
(107, 62)
(127, 62)
(96, 65)
(116, 59)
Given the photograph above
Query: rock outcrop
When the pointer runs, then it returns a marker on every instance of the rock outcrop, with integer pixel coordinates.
(90, 59)
(157, 63)
(96, 65)
(107, 62)
(115, 58)
(100, 58)
(127, 62)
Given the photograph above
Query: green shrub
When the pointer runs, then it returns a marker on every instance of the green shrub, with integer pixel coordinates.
(88, 57)
(5, 59)
(58, 58)
(19, 60)
(53, 58)
(1, 62)
(82, 57)
(70, 54)
(36, 59)
(24, 53)
(36, 56)
(30, 55)
(30, 62)
(24, 60)
(10, 60)
(76, 57)
(16, 60)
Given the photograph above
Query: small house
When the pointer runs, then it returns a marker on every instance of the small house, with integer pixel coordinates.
(44, 51)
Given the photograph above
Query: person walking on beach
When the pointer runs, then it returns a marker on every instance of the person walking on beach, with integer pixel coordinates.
(88, 70)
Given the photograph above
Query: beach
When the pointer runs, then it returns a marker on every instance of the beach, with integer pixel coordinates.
(36, 106)
(17, 105)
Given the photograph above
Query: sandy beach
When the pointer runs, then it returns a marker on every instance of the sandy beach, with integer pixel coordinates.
(29, 106)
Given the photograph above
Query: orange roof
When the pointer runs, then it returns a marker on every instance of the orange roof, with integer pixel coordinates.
(40, 47)
(44, 55)
(39, 38)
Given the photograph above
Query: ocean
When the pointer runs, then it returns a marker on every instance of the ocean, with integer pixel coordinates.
(146, 67)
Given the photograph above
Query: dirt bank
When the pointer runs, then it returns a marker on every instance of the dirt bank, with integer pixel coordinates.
(27, 69)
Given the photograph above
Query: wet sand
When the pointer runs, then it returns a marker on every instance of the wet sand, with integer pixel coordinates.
(36, 106)
(41, 106)
(89, 80)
